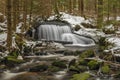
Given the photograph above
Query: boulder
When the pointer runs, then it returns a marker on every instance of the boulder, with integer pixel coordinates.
(26, 76)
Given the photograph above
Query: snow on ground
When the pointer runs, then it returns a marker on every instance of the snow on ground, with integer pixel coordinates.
(115, 40)
(18, 28)
(73, 20)
(93, 33)
(118, 18)
(3, 36)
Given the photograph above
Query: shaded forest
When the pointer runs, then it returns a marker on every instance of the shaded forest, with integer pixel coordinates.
(59, 39)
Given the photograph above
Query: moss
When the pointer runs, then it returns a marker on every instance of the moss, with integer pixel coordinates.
(60, 64)
(10, 59)
(105, 69)
(103, 43)
(53, 69)
(82, 61)
(39, 68)
(88, 53)
(74, 69)
(82, 76)
(93, 65)
(82, 68)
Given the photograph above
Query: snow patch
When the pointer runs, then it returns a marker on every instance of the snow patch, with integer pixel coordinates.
(73, 20)
(3, 36)
(115, 40)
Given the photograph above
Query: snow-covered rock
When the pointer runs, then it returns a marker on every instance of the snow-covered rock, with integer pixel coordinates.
(115, 40)
(73, 20)
(3, 36)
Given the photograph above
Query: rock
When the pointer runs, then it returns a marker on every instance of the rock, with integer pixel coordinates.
(82, 62)
(86, 54)
(74, 69)
(87, 25)
(82, 76)
(39, 68)
(66, 53)
(78, 68)
(12, 61)
(82, 68)
(2, 68)
(60, 64)
(77, 27)
(105, 69)
(53, 69)
(2, 48)
(26, 76)
(20, 57)
(72, 62)
(117, 75)
(94, 65)
(41, 53)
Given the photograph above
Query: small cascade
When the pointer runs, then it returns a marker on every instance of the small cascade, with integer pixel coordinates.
(52, 32)
(76, 39)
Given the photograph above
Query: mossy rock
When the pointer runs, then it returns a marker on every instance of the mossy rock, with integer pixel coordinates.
(82, 76)
(82, 62)
(60, 64)
(108, 31)
(16, 61)
(82, 68)
(26, 76)
(2, 68)
(105, 69)
(53, 69)
(86, 54)
(77, 27)
(103, 44)
(39, 68)
(117, 75)
(12, 61)
(68, 53)
(2, 48)
(93, 65)
(78, 68)
(87, 25)
(74, 69)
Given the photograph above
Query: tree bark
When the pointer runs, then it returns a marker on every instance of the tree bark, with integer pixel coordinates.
(9, 25)
(100, 14)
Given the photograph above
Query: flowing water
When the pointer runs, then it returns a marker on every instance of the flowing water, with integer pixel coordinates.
(51, 32)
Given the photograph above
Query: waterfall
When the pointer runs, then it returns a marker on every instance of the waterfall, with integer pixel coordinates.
(52, 32)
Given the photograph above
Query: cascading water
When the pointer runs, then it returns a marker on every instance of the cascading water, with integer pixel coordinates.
(56, 32)
(52, 32)
(77, 40)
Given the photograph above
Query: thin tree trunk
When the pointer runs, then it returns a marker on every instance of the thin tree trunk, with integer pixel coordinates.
(9, 25)
(100, 14)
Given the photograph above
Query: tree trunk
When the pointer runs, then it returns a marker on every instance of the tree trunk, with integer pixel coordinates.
(9, 24)
(100, 14)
